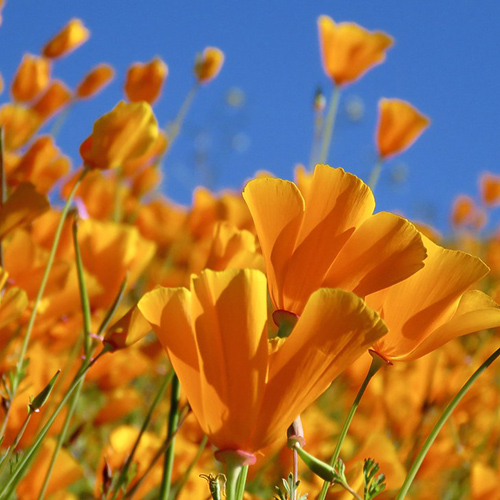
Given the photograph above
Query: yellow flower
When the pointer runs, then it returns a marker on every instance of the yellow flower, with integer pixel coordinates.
(208, 65)
(399, 126)
(244, 392)
(123, 134)
(348, 50)
(434, 305)
(145, 81)
(31, 78)
(328, 237)
(67, 40)
(94, 81)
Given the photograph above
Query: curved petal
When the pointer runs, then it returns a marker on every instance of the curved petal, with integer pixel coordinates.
(384, 250)
(229, 311)
(277, 208)
(335, 328)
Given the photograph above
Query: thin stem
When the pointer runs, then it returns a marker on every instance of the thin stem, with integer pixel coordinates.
(173, 420)
(174, 128)
(84, 298)
(375, 174)
(13, 446)
(375, 366)
(329, 124)
(318, 127)
(3, 187)
(145, 424)
(233, 471)
(240, 486)
(295, 472)
(439, 424)
(186, 475)
(61, 118)
(11, 485)
(109, 316)
(31, 322)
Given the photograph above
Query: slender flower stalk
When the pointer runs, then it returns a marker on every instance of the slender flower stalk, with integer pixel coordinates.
(20, 363)
(329, 124)
(173, 421)
(440, 423)
(376, 364)
(145, 424)
(3, 186)
(375, 174)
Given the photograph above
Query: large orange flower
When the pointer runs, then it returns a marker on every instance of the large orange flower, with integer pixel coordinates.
(246, 390)
(328, 237)
(348, 50)
(434, 305)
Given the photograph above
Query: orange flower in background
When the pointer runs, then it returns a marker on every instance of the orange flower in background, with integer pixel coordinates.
(463, 210)
(1, 83)
(19, 124)
(208, 65)
(328, 237)
(68, 39)
(123, 134)
(244, 391)
(53, 100)
(434, 305)
(490, 189)
(348, 50)
(144, 82)
(31, 78)
(399, 126)
(94, 81)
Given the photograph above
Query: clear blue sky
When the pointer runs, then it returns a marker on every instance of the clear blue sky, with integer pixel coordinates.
(445, 61)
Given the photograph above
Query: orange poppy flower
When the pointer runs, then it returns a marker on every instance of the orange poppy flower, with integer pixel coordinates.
(53, 100)
(463, 210)
(67, 40)
(19, 124)
(348, 50)
(31, 78)
(244, 390)
(124, 133)
(434, 305)
(490, 189)
(328, 237)
(399, 126)
(94, 81)
(208, 65)
(145, 81)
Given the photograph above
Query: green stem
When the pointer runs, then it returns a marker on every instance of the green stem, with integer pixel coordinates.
(233, 472)
(16, 476)
(109, 316)
(329, 124)
(242, 480)
(13, 446)
(3, 187)
(31, 322)
(117, 202)
(375, 174)
(185, 477)
(318, 126)
(145, 424)
(375, 366)
(84, 298)
(173, 421)
(439, 424)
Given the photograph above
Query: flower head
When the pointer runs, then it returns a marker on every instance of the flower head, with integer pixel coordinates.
(94, 81)
(348, 50)
(145, 81)
(208, 65)
(67, 40)
(31, 78)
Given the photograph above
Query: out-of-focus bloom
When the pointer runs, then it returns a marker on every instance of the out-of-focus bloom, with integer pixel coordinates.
(94, 81)
(12, 303)
(67, 40)
(124, 133)
(42, 164)
(144, 82)
(208, 65)
(434, 305)
(118, 404)
(348, 50)
(490, 189)
(127, 331)
(244, 391)
(399, 126)
(1, 7)
(53, 100)
(66, 471)
(463, 210)
(31, 78)
(21, 208)
(19, 124)
(1, 81)
(328, 237)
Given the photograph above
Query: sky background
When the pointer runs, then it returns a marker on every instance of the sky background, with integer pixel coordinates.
(445, 61)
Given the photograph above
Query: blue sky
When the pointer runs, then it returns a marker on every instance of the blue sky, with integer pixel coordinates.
(445, 61)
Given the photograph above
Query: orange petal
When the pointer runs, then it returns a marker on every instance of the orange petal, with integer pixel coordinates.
(334, 330)
(229, 311)
(490, 189)
(22, 207)
(131, 328)
(399, 126)
(277, 208)
(67, 40)
(94, 81)
(384, 250)
(31, 78)
(208, 65)
(144, 82)
(14, 302)
(53, 100)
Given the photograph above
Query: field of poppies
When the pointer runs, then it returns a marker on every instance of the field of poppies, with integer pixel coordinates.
(283, 341)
